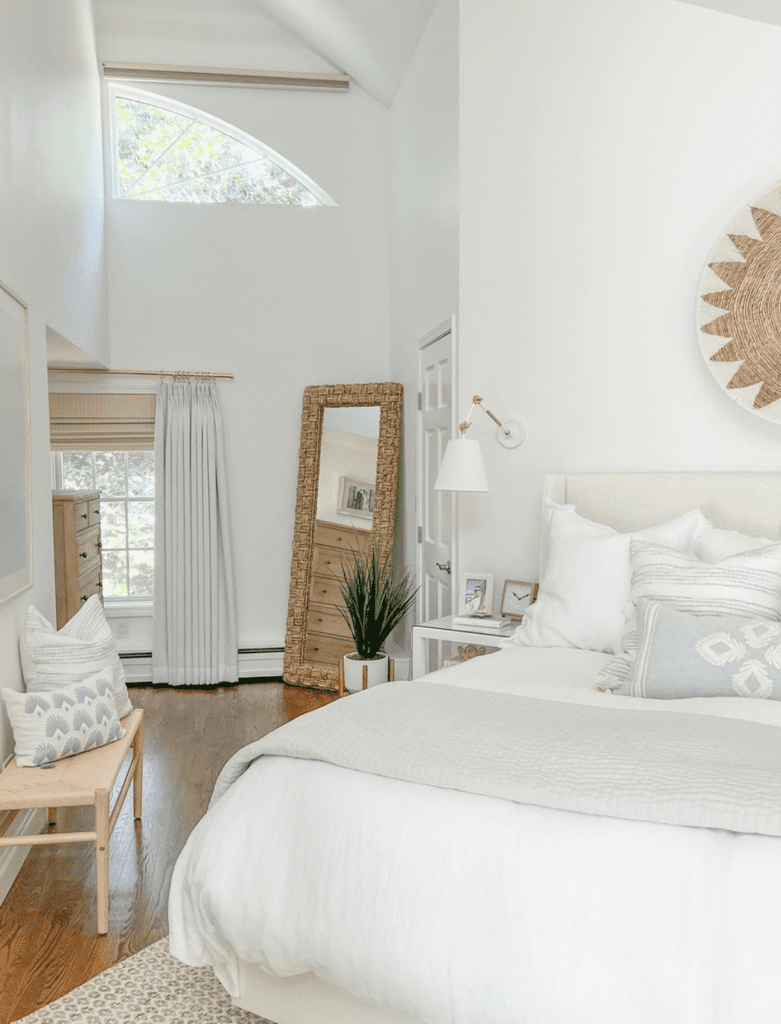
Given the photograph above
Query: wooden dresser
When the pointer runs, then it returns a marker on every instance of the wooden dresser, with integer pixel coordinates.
(78, 567)
(328, 635)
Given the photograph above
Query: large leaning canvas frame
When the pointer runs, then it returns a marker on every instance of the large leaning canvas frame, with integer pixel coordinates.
(16, 557)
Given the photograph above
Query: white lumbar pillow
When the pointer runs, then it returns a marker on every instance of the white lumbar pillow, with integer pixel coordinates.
(51, 724)
(54, 658)
(585, 585)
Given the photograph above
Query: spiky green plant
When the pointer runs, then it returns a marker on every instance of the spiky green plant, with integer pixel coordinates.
(376, 598)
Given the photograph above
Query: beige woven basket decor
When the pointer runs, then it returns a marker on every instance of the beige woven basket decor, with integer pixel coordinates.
(739, 307)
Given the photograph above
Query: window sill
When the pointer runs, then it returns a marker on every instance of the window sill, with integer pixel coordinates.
(127, 609)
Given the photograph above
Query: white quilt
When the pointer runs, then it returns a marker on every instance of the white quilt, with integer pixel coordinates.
(472, 909)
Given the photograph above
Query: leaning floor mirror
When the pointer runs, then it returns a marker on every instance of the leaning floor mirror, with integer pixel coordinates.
(348, 470)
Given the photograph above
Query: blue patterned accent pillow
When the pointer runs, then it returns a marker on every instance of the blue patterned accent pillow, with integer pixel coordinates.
(52, 724)
(684, 655)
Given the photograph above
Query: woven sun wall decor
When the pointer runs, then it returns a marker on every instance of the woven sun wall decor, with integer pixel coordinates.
(739, 308)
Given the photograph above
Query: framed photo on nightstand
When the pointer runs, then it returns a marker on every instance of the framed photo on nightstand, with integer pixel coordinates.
(517, 596)
(476, 594)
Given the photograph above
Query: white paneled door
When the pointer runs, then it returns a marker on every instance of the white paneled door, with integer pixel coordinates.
(436, 510)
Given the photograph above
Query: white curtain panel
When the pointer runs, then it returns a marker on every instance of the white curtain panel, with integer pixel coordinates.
(194, 627)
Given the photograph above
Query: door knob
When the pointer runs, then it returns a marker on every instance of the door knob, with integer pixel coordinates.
(445, 567)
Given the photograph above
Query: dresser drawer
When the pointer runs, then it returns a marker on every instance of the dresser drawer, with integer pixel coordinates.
(326, 650)
(328, 562)
(88, 550)
(334, 536)
(326, 590)
(87, 584)
(327, 620)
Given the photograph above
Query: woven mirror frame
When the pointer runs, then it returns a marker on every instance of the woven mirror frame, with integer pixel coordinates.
(739, 307)
(388, 396)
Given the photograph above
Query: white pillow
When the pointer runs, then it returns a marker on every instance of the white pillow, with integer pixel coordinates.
(83, 646)
(52, 724)
(714, 545)
(746, 585)
(585, 585)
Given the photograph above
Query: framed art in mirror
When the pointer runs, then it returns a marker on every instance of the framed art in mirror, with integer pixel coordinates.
(16, 560)
(348, 471)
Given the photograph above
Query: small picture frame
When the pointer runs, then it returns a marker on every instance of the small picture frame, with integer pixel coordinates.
(517, 595)
(356, 498)
(476, 594)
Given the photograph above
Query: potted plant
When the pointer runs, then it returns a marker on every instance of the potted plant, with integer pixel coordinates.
(376, 598)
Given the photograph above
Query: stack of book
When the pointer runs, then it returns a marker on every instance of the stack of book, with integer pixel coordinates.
(482, 622)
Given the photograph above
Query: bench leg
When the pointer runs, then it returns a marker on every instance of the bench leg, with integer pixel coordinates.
(101, 856)
(138, 774)
(52, 815)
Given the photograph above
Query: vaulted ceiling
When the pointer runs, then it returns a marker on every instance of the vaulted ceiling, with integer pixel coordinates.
(372, 41)
(756, 10)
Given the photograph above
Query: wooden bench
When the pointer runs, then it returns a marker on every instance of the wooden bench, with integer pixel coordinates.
(79, 781)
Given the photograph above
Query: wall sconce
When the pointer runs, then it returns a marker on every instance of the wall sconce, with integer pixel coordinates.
(462, 467)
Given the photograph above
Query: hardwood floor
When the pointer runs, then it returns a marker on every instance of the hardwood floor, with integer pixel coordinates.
(48, 943)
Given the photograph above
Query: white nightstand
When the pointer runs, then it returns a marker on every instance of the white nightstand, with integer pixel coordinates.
(443, 629)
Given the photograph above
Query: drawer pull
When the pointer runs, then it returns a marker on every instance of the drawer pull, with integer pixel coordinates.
(98, 544)
(82, 554)
(84, 597)
(95, 511)
(83, 515)
(100, 583)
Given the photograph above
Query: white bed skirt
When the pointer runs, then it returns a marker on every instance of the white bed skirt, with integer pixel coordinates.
(304, 999)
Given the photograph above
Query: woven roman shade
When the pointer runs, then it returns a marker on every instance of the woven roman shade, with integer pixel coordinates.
(102, 422)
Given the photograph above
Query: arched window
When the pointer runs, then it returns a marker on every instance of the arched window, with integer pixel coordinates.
(169, 152)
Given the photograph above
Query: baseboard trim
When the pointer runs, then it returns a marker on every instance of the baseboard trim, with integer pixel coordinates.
(29, 823)
(254, 663)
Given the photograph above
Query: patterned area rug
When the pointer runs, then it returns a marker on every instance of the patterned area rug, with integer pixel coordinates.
(149, 988)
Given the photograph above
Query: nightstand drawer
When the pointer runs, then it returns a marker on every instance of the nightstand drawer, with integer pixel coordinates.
(327, 620)
(326, 650)
(87, 549)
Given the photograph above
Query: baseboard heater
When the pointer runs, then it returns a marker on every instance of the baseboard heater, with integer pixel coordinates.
(242, 650)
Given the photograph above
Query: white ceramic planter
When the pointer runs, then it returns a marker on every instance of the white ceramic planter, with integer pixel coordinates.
(353, 671)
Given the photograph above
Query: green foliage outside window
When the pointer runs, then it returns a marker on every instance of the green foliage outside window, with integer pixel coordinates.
(166, 156)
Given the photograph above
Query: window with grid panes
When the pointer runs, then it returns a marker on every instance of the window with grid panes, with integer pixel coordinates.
(126, 481)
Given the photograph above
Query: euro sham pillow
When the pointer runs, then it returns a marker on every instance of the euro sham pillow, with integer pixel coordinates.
(684, 655)
(714, 545)
(745, 585)
(52, 658)
(51, 724)
(585, 584)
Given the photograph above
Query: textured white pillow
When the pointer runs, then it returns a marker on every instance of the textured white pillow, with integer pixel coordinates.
(52, 724)
(585, 585)
(84, 645)
(714, 545)
(746, 585)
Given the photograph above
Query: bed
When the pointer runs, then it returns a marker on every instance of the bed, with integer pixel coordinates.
(323, 893)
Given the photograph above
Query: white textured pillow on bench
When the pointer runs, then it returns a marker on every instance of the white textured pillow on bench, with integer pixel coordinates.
(53, 658)
(53, 724)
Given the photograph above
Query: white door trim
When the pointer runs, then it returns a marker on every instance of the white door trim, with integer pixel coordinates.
(436, 334)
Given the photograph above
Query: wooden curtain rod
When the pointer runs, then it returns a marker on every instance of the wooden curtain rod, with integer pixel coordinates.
(141, 373)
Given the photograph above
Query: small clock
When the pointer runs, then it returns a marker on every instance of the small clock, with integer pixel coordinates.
(517, 596)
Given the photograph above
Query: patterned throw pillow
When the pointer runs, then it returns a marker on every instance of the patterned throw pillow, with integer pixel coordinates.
(52, 658)
(747, 585)
(52, 724)
(683, 655)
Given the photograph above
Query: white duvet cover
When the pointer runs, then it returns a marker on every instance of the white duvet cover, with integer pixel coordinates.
(464, 909)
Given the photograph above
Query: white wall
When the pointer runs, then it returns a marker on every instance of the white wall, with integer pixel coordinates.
(51, 245)
(283, 297)
(603, 148)
(425, 212)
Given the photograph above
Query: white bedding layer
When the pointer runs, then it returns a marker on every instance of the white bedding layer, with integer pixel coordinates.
(487, 912)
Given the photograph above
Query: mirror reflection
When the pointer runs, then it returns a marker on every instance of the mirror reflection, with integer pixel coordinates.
(348, 466)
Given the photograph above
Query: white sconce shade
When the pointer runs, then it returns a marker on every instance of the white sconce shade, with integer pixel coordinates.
(462, 467)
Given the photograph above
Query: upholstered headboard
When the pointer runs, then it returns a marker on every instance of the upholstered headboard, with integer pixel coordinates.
(749, 502)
